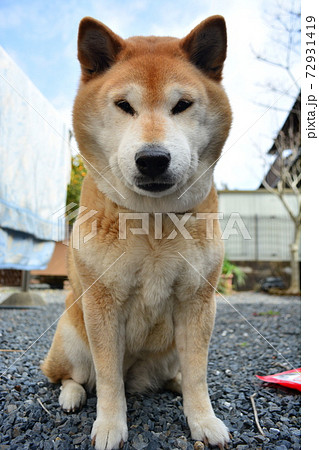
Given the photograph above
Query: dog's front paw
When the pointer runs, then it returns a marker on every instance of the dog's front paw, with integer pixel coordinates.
(209, 429)
(109, 434)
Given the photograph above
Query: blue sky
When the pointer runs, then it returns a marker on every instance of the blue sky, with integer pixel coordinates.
(41, 38)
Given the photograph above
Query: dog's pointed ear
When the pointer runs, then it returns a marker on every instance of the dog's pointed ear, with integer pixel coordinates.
(98, 47)
(205, 46)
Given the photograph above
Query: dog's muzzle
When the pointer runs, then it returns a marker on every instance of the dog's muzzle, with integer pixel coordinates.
(152, 163)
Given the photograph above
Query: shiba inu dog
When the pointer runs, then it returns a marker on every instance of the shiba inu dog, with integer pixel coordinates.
(150, 118)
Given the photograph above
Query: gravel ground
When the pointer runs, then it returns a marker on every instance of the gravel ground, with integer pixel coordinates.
(156, 421)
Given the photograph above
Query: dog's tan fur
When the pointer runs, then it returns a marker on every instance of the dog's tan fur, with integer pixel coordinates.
(139, 314)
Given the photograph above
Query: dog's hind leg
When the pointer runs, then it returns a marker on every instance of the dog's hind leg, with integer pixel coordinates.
(174, 384)
(69, 360)
(73, 395)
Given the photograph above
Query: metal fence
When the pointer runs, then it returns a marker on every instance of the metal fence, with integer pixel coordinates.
(267, 238)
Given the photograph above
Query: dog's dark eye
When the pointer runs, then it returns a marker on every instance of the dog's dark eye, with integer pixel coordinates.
(125, 106)
(181, 106)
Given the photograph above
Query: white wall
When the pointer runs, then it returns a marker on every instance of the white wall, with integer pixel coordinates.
(260, 228)
(259, 202)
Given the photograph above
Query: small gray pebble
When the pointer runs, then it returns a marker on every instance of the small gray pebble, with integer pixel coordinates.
(11, 408)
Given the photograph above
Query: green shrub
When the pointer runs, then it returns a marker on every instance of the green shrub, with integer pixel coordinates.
(238, 277)
(78, 173)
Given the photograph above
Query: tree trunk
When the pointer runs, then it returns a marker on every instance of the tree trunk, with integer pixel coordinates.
(294, 287)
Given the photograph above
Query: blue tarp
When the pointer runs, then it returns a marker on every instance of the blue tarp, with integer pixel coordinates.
(34, 171)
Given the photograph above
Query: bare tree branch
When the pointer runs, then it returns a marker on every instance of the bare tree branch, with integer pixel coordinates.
(285, 171)
(274, 108)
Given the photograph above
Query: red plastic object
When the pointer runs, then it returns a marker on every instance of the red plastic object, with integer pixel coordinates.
(291, 378)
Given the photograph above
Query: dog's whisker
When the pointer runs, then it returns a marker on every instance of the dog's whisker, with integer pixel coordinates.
(106, 169)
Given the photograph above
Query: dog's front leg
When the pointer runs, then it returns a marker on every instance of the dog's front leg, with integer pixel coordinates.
(194, 324)
(106, 333)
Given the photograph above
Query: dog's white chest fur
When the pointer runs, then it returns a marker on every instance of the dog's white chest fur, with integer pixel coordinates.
(150, 304)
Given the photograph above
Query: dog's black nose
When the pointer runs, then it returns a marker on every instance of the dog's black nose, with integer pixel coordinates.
(152, 161)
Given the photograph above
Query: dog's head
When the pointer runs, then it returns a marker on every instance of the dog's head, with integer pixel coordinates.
(151, 116)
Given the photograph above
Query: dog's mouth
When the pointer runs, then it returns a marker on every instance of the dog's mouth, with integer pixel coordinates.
(154, 187)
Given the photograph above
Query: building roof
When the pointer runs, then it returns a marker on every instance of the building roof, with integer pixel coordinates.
(289, 132)
(292, 121)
